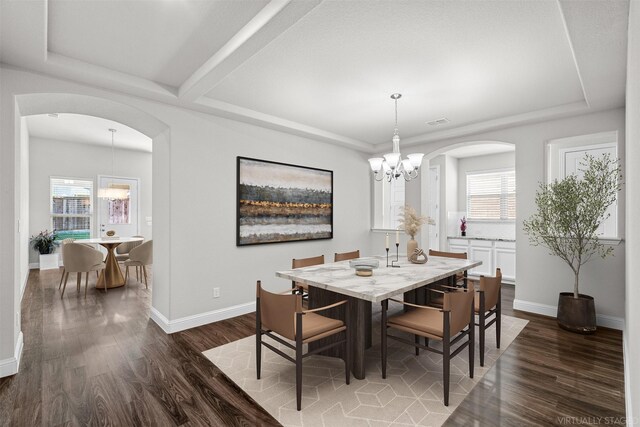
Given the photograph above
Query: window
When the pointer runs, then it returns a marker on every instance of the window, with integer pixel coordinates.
(564, 157)
(71, 207)
(491, 195)
(389, 200)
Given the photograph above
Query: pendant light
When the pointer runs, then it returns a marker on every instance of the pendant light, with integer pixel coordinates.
(113, 191)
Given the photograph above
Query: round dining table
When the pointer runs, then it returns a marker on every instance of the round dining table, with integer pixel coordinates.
(111, 276)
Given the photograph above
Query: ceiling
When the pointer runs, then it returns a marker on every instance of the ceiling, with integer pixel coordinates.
(326, 69)
(480, 150)
(88, 130)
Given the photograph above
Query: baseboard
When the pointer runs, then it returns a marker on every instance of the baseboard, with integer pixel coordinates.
(11, 365)
(628, 399)
(552, 310)
(188, 322)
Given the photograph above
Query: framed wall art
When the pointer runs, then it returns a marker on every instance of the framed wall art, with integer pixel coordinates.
(278, 202)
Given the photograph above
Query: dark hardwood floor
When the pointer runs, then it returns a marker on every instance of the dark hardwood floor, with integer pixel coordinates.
(102, 361)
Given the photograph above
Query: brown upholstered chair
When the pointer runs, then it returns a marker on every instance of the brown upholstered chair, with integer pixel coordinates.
(80, 258)
(305, 262)
(282, 314)
(487, 304)
(140, 256)
(346, 255)
(449, 324)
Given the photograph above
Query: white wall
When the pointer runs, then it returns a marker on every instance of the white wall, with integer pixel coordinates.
(541, 276)
(632, 179)
(23, 229)
(197, 193)
(83, 161)
(500, 229)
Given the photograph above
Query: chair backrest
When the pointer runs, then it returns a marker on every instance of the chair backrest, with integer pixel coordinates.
(278, 311)
(307, 262)
(346, 255)
(491, 288)
(143, 253)
(125, 248)
(460, 304)
(78, 257)
(459, 255)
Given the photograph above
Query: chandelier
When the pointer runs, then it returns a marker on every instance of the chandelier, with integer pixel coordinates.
(113, 191)
(392, 166)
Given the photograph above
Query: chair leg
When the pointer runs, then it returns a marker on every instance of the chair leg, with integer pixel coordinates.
(126, 275)
(137, 273)
(481, 329)
(299, 361)
(86, 284)
(472, 341)
(78, 281)
(416, 339)
(97, 274)
(61, 278)
(482, 321)
(498, 318)
(144, 270)
(383, 338)
(426, 342)
(258, 339)
(446, 358)
(66, 277)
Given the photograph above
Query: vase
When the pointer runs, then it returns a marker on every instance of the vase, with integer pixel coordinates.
(412, 245)
(576, 314)
(463, 233)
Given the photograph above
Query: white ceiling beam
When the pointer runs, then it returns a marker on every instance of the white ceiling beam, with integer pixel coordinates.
(274, 19)
(234, 112)
(566, 110)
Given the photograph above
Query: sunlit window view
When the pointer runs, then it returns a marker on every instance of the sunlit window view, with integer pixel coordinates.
(71, 207)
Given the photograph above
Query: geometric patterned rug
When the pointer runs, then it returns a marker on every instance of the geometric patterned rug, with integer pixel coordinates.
(411, 395)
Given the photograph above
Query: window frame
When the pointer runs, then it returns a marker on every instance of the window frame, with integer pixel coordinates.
(502, 219)
(91, 213)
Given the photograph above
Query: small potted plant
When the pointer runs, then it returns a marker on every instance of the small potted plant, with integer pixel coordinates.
(45, 243)
(411, 222)
(463, 226)
(568, 215)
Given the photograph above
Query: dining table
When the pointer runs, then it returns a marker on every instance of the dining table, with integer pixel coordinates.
(337, 281)
(111, 276)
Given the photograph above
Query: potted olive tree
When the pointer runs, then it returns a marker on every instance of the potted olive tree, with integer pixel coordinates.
(45, 243)
(568, 215)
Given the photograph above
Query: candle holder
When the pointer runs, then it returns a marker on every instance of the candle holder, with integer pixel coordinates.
(397, 258)
(387, 249)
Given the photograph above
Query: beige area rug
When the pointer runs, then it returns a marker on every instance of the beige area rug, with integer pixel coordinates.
(410, 396)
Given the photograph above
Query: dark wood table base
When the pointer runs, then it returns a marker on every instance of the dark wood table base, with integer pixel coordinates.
(359, 322)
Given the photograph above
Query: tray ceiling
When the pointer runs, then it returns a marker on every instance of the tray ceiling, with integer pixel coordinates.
(325, 69)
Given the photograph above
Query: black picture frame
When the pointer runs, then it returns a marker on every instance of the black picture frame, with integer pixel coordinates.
(281, 202)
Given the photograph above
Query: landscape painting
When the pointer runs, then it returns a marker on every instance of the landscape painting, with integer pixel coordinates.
(279, 203)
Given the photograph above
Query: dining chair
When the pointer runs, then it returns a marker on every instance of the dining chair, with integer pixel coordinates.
(304, 262)
(487, 303)
(450, 324)
(346, 255)
(80, 258)
(122, 252)
(140, 256)
(281, 316)
(461, 278)
(62, 243)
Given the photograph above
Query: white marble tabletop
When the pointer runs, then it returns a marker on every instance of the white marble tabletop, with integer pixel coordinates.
(386, 282)
(101, 240)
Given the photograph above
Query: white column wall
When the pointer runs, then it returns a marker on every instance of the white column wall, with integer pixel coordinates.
(632, 183)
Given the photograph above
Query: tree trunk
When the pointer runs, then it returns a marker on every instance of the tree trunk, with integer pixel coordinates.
(575, 285)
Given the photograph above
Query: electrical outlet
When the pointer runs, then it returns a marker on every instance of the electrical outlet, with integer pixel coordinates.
(216, 292)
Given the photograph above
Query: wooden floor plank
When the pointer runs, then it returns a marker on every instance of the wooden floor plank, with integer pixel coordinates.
(102, 361)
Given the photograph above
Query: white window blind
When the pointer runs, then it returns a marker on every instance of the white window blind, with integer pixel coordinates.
(71, 207)
(491, 195)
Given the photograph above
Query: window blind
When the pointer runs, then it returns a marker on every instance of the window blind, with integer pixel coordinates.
(491, 195)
